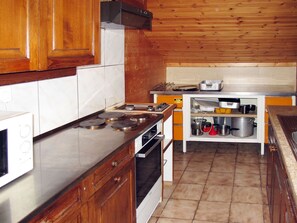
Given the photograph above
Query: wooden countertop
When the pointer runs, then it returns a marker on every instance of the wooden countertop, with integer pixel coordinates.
(286, 153)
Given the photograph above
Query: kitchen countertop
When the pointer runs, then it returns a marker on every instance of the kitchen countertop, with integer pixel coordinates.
(286, 153)
(60, 161)
(237, 89)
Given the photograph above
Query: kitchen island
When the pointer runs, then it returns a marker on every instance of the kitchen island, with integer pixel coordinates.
(63, 163)
(259, 95)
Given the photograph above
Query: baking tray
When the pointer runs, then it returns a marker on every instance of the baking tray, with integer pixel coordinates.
(211, 85)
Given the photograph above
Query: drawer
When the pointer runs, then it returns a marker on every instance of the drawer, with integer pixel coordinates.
(65, 207)
(171, 99)
(177, 132)
(106, 170)
(178, 117)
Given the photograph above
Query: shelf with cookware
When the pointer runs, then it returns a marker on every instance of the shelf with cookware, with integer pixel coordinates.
(223, 118)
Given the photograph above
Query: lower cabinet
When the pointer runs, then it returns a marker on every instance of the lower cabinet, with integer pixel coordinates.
(114, 201)
(177, 115)
(280, 201)
(106, 195)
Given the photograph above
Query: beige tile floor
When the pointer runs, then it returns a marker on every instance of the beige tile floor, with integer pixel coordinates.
(215, 183)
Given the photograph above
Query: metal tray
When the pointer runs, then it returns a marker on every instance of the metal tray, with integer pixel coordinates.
(211, 85)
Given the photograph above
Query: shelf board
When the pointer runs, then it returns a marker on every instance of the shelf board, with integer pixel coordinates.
(233, 114)
(229, 138)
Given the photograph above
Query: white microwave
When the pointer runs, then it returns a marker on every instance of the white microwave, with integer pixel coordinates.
(16, 145)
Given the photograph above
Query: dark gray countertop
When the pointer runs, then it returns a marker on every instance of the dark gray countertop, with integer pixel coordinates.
(61, 160)
(238, 89)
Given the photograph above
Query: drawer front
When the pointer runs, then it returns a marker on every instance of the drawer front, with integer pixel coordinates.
(65, 207)
(177, 132)
(171, 99)
(104, 172)
(178, 117)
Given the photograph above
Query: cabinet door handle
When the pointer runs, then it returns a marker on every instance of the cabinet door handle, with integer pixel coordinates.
(272, 148)
(114, 164)
(117, 179)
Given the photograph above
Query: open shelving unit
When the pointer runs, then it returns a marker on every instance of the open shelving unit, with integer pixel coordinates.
(257, 137)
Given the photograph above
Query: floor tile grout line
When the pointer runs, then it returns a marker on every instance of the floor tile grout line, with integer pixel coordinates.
(234, 174)
(233, 185)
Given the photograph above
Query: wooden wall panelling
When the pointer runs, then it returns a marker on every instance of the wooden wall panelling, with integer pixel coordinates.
(224, 31)
(137, 3)
(144, 67)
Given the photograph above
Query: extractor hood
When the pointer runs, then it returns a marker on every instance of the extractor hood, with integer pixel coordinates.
(122, 13)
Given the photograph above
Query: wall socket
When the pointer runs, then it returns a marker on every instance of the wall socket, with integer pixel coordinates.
(5, 94)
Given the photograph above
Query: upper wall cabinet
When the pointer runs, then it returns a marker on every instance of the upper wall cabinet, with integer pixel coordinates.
(48, 34)
(18, 35)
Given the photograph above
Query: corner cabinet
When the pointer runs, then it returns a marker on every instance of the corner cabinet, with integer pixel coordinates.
(257, 137)
(48, 34)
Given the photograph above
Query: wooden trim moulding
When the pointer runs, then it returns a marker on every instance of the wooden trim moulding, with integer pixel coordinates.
(22, 77)
(285, 64)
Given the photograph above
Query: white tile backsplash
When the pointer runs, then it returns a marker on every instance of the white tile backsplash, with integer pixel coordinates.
(91, 94)
(58, 102)
(114, 85)
(114, 44)
(23, 97)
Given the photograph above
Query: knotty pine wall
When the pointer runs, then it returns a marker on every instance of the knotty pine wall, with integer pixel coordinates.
(144, 67)
(224, 31)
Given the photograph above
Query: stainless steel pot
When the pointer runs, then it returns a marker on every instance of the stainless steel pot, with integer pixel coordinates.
(196, 126)
(242, 126)
(224, 130)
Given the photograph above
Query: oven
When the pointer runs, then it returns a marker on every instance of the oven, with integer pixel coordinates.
(148, 149)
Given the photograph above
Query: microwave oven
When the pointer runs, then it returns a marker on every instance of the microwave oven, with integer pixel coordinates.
(16, 145)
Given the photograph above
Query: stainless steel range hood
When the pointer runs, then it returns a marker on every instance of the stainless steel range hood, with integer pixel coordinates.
(124, 14)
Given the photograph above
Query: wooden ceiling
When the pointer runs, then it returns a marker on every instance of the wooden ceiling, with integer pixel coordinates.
(224, 31)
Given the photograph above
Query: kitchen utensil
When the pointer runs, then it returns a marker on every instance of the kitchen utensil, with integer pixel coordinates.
(220, 120)
(223, 110)
(229, 103)
(206, 126)
(211, 85)
(242, 126)
(185, 88)
(245, 109)
(196, 126)
(224, 130)
(214, 130)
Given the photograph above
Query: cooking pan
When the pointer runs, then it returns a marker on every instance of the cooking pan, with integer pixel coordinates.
(242, 126)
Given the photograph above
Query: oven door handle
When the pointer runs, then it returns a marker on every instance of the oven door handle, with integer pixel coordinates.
(144, 155)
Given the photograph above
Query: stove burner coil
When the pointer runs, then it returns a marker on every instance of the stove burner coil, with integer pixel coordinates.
(112, 116)
(130, 107)
(93, 124)
(139, 117)
(124, 125)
